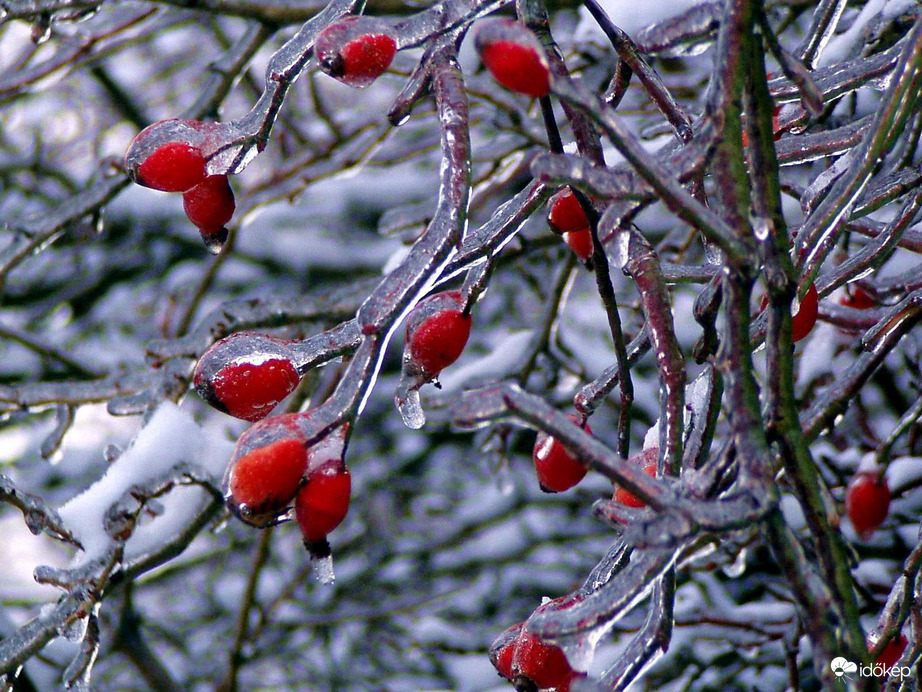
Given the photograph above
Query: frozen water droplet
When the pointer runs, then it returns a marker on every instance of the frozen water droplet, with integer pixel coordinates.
(214, 242)
(323, 569)
(712, 253)
(41, 31)
(620, 248)
(581, 650)
(74, 631)
(112, 452)
(504, 479)
(408, 405)
(736, 569)
(761, 228)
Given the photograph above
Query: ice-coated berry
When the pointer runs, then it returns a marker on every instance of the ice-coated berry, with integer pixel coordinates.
(580, 242)
(322, 504)
(356, 50)
(513, 55)
(246, 375)
(266, 470)
(173, 167)
(543, 664)
(565, 214)
(167, 155)
(804, 318)
(437, 332)
(557, 470)
(892, 652)
(647, 461)
(867, 502)
(858, 299)
(210, 204)
(502, 650)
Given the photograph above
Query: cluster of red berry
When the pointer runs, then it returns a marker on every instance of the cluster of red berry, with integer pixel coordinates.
(275, 471)
(247, 375)
(170, 156)
(273, 466)
(517, 61)
(530, 663)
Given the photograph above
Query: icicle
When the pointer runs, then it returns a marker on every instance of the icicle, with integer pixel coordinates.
(322, 567)
(408, 404)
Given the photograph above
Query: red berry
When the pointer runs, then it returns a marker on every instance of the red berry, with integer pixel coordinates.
(540, 662)
(555, 467)
(867, 501)
(647, 459)
(246, 375)
(437, 332)
(356, 50)
(169, 155)
(250, 391)
(502, 650)
(859, 299)
(210, 204)
(580, 242)
(514, 56)
(265, 473)
(802, 321)
(323, 502)
(172, 167)
(565, 215)
(892, 652)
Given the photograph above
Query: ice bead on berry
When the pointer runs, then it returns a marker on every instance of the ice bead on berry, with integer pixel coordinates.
(246, 375)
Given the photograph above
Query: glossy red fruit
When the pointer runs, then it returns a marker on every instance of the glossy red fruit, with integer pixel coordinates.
(172, 167)
(502, 650)
(542, 663)
(892, 652)
(804, 319)
(580, 242)
(858, 298)
(647, 460)
(555, 467)
(210, 204)
(565, 215)
(168, 155)
(246, 375)
(322, 504)
(437, 332)
(867, 502)
(356, 50)
(514, 56)
(266, 470)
